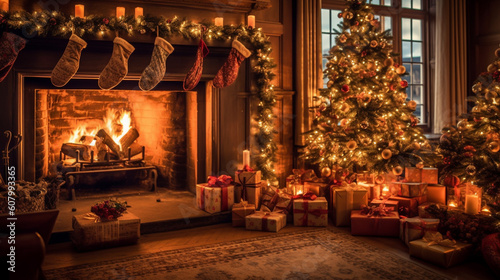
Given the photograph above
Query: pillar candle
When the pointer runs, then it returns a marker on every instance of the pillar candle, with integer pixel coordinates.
(219, 21)
(4, 5)
(246, 158)
(471, 204)
(80, 11)
(251, 21)
(139, 12)
(120, 12)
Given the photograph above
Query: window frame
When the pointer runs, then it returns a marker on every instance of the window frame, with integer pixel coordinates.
(397, 12)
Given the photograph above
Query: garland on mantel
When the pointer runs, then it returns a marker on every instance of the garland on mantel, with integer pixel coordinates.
(56, 24)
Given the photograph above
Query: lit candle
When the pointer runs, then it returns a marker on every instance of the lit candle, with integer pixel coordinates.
(452, 205)
(139, 11)
(471, 204)
(385, 191)
(246, 158)
(4, 5)
(298, 189)
(486, 211)
(251, 21)
(219, 21)
(120, 12)
(80, 11)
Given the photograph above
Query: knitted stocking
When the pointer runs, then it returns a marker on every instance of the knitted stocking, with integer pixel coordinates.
(155, 71)
(68, 65)
(117, 67)
(194, 74)
(10, 46)
(229, 71)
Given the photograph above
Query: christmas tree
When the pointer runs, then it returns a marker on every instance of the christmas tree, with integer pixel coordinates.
(364, 118)
(470, 150)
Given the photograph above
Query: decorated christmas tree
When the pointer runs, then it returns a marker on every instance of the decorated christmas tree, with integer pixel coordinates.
(470, 150)
(363, 119)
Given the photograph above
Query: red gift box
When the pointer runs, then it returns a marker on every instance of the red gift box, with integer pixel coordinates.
(408, 206)
(375, 225)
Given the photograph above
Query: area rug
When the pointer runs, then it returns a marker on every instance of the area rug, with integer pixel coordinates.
(315, 254)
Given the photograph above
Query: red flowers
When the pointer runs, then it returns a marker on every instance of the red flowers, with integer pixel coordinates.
(109, 209)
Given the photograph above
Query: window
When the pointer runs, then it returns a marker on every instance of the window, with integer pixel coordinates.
(408, 20)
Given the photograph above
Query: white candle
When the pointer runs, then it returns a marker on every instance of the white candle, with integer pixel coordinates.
(80, 11)
(471, 204)
(219, 21)
(4, 5)
(246, 158)
(251, 21)
(139, 12)
(120, 12)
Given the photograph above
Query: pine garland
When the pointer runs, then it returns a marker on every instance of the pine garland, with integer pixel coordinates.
(56, 24)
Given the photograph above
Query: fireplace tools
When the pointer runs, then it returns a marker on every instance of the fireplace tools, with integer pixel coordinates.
(6, 152)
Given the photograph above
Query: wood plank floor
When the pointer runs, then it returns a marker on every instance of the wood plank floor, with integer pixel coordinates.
(63, 254)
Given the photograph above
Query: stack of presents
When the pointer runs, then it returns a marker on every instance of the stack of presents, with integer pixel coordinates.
(387, 206)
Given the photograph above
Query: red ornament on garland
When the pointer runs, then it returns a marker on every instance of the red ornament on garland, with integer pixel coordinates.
(345, 88)
(496, 76)
(404, 84)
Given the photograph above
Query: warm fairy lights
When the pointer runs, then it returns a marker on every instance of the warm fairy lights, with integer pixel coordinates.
(56, 24)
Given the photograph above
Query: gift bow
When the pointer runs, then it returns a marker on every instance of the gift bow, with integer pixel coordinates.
(423, 227)
(307, 196)
(242, 203)
(436, 238)
(306, 211)
(92, 216)
(219, 182)
(376, 211)
(246, 168)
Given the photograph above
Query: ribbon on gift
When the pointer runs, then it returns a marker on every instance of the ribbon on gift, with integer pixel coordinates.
(436, 238)
(265, 218)
(243, 183)
(92, 216)
(306, 211)
(269, 197)
(284, 203)
(307, 196)
(376, 211)
(224, 197)
(219, 182)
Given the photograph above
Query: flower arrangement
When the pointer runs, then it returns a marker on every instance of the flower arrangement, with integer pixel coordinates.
(109, 209)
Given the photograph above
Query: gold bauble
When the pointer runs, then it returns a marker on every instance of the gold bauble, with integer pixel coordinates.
(380, 179)
(490, 95)
(401, 70)
(351, 145)
(326, 172)
(416, 146)
(497, 52)
(386, 154)
(462, 124)
(494, 146)
(492, 68)
(398, 170)
(389, 62)
(419, 165)
(477, 87)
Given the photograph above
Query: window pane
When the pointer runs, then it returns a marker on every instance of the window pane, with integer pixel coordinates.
(417, 94)
(408, 70)
(406, 4)
(406, 28)
(406, 51)
(325, 60)
(386, 23)
(417, 52)
(417, 30)
(332, 40)
(326, 43)
(416, 73)
(375, 2)
(386, 2)
(417, 4)
(325, 20)
(335, 20)
(408, 93)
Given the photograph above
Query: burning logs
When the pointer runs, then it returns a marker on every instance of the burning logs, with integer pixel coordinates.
(106, 139)
(128, 139)
(73, 149)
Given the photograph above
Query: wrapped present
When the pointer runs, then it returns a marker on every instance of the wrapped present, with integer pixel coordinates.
(422, 209)
(215, 196)
(436, 194)
(374, 190)
(388, 203)
(346, 199)
(414, 228)
(375, 225)
(89, 233)
(265, 221)
(311, 213)
(248, 192)
(319, 189)
(269, 198)
(284, 205)
(247, 176)
(427, 175)
(408, 206)
(240, 211)
(443, 252)
(410, 189)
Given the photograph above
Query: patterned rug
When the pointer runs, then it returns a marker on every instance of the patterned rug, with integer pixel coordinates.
(316, 254)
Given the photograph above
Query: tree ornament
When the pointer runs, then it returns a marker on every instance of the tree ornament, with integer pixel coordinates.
(492, 68)
(471, 170)
(389, 62)
(419, 165)
(415, 145)
(494, 146)
(401, 70)
(398, 170)
(490, 95)
(412, 105)
(462, 124)
(326, 172)
(477, 87)
(351, 145)
(345, 88)
(497, 52)
(373, 44)
(404, 84)
(364, 124)
(380, 179)
(386, 154)
(228, 73)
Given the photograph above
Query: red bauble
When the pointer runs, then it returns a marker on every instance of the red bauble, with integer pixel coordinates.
(404, 83)
(469, 148)
(345, 88)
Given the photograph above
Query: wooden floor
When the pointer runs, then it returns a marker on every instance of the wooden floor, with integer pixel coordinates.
(63, 254)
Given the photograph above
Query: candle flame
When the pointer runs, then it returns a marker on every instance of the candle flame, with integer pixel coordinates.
(385, 189)
(452, 204)
(299, 192)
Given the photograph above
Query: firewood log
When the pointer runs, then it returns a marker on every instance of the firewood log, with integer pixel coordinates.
(135, 149)
(106, 139)
(70, 149)
(128, 139)
(85, 139)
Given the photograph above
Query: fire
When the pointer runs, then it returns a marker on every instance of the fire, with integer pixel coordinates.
(80, 131)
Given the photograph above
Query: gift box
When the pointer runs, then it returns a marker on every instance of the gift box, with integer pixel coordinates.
(319, 189)
(414, 228)
(374, 190)
(388, 203)
(427, 175)
(265, 221)
(410, 189)
(248, 192)
(240, 211)
(362, 224)
(436, 194)
(243, 177)
(408, 206)
(269, 198)
(346, 199)
(422, 213)
(311, 213)
(444, 256)
(214, 199)
(90, 234)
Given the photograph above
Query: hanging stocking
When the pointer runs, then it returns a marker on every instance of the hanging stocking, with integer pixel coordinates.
(194, 74)
(69, 63)
(229, 71)
(10, 46)
(117, 67)
(155, 71)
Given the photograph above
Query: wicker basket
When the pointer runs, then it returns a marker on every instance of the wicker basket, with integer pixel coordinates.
(30, 197)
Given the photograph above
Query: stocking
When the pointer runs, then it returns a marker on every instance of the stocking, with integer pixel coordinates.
(229, 71)
(10, 46)
(117, 67)
(68, 65)
(194, 74)
(155, 71)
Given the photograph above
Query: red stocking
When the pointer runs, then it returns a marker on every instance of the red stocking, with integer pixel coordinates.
(10, 46)
(194, 74)
(229, 71)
